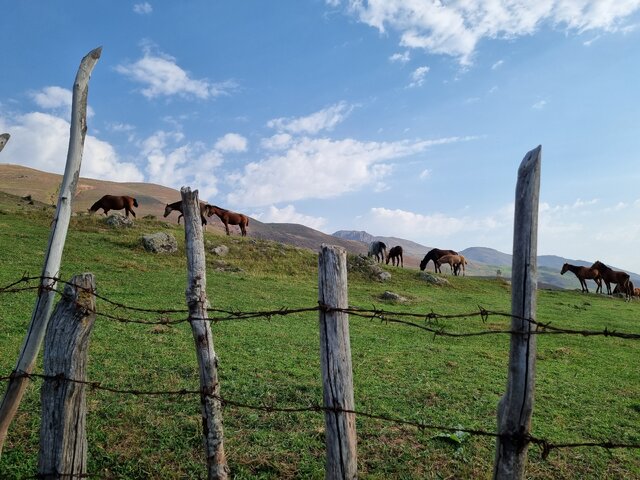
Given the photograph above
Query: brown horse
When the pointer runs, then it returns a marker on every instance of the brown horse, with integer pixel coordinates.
(395, 255)
(613, 276)
(170, 207)
(115, 202)
(229, 218)
(456, 262)
(433, 255)
(584, 274)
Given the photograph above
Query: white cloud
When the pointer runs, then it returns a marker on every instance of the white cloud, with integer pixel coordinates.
(161, 76)
(325, 119)
(171, 162)
(57, 100)
(438, 229)
(539, 105)
(424, 174)
(143, 8)
(288, 214)
(498, 64)
(41, 141)
(231, 142)
(321, 168)
(403, 57)
(417, 77)
(277, 142)
(455, 28)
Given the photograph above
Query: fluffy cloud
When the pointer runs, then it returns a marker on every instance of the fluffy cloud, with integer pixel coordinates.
(417, 77)
(161, 76)
(325, 119)
(288, 214)
(143, 8)
(231, 142)
(41, 141)
(455, 28)
(320, 168)
(171, 162)
(403, 57)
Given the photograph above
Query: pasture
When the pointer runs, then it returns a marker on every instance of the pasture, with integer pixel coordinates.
(587, 388)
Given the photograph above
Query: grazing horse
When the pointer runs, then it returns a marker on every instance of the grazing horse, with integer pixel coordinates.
(170, 207)
(377, 249)
(395, 255)
(229, 218)
(115, 202)
(613, 276)
(584, 274)
(434, 255)
(456, 262)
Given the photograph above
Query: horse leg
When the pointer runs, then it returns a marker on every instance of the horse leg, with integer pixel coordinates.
(226, 227)
(243, 229)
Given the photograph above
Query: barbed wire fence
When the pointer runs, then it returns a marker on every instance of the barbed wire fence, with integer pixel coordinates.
(429, 323)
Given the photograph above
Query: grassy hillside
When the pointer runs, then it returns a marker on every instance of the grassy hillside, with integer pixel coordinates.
(587, 389)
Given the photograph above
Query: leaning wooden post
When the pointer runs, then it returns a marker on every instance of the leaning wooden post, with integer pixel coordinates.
(211, 406)
(44, 302)
(63, 441)
(516, 406)
(335, 362)
(4, 138)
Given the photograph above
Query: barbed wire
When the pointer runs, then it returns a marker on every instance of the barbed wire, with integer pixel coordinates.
(385, 316)
(545, 445)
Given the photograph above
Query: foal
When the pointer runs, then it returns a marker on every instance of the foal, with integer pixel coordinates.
(395, 255)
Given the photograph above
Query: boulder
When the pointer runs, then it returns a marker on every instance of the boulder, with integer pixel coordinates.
(220, 250)
(433, 279)
(115, 220)
(391, 296)
(160, 242)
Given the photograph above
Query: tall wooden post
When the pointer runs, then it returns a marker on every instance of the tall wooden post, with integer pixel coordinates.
(516, 406)
(196, 293)
(63, 440)
(335, 362)
(44, 302)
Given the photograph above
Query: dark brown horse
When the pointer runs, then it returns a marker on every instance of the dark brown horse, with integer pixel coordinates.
(584, 274)
(115, 202)
(170, 207)
(229, 218)
(433, 256)
(395, 255)
(613, 276)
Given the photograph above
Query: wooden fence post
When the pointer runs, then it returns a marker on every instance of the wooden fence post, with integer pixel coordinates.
(196, 293)
(44, 302)
(516, 406)
(335, 362)
(63, 441)
(4, 138)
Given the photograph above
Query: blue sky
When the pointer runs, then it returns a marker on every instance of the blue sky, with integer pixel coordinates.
(402, 118)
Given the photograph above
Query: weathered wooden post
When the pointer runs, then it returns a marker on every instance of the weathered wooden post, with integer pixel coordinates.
(196, 293)
(53, 258)
(335, 362)
(516, 406)
(63, 441)
(4, 138)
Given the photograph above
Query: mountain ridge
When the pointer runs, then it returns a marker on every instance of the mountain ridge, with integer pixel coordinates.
(484, 261)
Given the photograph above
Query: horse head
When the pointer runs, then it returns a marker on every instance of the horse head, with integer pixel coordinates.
(167, 210)
(565, 267)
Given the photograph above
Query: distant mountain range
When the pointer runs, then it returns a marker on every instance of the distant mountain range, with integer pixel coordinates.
(43, 187)
(485, 261)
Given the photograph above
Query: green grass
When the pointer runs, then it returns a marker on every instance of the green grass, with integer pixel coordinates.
(587, 388)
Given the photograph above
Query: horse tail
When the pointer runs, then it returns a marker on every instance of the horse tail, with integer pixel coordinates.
(135, 202)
